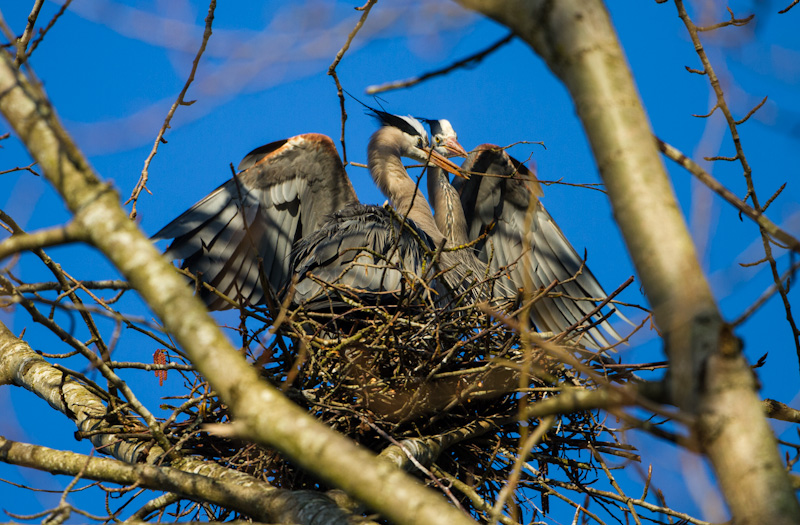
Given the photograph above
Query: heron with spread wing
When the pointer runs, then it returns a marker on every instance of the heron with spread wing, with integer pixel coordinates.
(291, 212)
(528, 246)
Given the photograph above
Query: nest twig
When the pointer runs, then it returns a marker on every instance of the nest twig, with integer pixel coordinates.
(449, 379)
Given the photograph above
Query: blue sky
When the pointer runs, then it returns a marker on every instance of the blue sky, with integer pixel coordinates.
(112, 69)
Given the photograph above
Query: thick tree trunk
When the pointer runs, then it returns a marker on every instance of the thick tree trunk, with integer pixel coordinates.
(708, 377)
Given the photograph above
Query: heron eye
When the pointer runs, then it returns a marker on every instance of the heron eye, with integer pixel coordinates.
(419, 142)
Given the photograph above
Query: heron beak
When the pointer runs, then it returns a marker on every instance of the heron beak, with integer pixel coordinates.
(445, 163)
(454, 149)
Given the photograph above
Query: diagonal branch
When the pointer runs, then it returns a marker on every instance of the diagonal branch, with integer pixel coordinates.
(469, 61)
(786, 9)
(262, 413)
(273, 505)
(706, 178)
(142, 183)
(21, 366)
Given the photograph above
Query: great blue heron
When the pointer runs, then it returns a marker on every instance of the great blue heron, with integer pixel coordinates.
(292, 211)
(529, 247)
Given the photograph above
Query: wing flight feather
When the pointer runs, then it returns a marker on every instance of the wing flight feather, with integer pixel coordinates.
(283, 191)
(533, 250)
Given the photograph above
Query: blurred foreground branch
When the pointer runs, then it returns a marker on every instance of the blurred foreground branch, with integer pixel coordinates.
(708, 375)
(189, 477)
(264, 415)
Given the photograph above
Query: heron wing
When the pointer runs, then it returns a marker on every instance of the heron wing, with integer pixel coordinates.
(529, 247)
(365, 251)
(247, 227)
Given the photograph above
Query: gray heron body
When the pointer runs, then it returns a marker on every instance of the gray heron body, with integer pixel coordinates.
(529, 247)
(447, 208)
(291, 211)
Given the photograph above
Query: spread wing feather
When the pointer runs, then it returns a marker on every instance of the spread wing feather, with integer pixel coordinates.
(362, 248)
(531, 248)
(283, 191)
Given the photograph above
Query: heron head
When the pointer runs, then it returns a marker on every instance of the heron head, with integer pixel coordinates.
(415, 141)
(445, 139)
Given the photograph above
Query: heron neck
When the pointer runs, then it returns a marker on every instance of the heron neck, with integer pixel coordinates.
(447, 209)
(387, 170)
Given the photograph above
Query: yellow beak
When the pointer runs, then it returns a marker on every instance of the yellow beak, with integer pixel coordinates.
(445, 163)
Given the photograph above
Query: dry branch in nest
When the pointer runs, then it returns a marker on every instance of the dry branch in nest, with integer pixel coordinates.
(445, 383)
(431, 382)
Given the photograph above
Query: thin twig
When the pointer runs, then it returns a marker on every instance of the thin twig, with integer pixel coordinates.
(794, 3)
(149, 367)
(142, 183)
(752, 112)
(753, 308)
(747, 171)
(522, 454)
(43, 32)
(29, 168)
(469, 61)
(92, 285)
(667, 511)
(477, 501)
(706, 178)
(332, 68)
(738, 22)
(613, 481)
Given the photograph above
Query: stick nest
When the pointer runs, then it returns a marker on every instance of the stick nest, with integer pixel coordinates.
(447, 381)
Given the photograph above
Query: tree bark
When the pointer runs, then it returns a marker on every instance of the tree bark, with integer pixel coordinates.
(708, 377)
(190, 477)
(262, 413)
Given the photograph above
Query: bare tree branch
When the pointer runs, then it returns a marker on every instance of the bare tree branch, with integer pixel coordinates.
(262, 413)
(740, 156)
(737, 22)
(276, 504)
(332, 68)
(41, 239)
(22, 43)
(21, 366)
(142, 183)
(704, 177)
(786, 9)
(781, 411)
(469, 61)
(764, 297)
(43, 32)
(708, 375)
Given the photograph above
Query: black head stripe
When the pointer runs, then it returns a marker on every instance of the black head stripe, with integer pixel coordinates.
(387, 119)
(404, 124)
(441, 127)
(436, 127)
